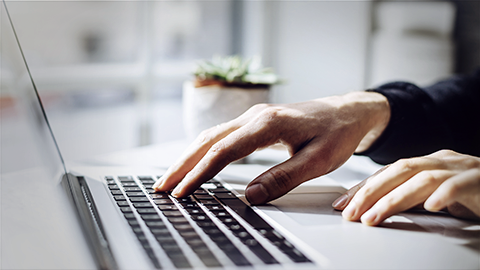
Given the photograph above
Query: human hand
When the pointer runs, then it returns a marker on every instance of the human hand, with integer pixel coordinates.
(319, 134)
(444, 179)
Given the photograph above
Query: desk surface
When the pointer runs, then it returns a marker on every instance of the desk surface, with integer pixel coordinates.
(38, 229)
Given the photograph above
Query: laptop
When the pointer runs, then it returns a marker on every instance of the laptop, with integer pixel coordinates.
(128, 226)
(214, 228)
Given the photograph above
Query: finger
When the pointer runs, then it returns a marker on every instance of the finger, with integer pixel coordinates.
(386, 181)
(463, 188)
(234, 146)
(193, 155)
(414, 191)
(306, 164)
(341, 202)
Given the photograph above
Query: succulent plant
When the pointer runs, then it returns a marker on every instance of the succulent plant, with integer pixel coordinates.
(233, 70)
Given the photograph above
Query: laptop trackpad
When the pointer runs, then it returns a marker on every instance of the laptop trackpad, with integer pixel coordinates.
(310, 209)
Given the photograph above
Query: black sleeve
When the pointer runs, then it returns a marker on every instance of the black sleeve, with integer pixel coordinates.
(445, 115)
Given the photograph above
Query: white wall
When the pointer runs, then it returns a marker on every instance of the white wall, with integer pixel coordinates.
(319, 47)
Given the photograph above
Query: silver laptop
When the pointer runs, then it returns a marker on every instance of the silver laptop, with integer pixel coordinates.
(129, 226)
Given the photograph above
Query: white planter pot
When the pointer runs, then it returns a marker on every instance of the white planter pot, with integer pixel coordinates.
(208, 106)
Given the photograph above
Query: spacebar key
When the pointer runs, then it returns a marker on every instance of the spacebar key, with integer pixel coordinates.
(247, 213)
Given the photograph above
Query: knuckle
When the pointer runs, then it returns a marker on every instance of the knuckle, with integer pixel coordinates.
(406, 165)
(218, 149)
(205, 137)
(445, 152)
(472, 163)
(428, 178)
(282, 178)
(260, 107)
(270, 115)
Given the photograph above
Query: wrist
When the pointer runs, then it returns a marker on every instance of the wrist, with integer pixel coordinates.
(372, 111)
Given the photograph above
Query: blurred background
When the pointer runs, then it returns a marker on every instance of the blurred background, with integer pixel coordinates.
(111, 72)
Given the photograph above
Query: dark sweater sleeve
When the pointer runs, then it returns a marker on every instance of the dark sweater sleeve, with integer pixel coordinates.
(445, 115)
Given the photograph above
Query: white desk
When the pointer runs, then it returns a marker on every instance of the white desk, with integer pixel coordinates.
(39, 230)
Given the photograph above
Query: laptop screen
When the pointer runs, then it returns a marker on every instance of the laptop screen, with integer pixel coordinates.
(27, 139)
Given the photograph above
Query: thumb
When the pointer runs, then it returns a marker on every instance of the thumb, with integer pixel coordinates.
(282, 178)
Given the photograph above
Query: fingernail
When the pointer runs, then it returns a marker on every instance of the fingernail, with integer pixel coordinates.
(257, 194)
(158, 183)
(369, 217)
(340, 202)
(176, 191)
(349, 212)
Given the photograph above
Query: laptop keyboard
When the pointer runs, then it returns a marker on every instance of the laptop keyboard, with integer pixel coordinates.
(196, 222)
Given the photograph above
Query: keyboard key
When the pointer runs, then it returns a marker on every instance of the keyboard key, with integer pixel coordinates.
(221, 213)
(200, 217)
(133, 189)
(122, 203)
(125, 178)
(151, 217)
(119, 198)
(193, 211)
(173, 214)
(206, 224)
(215, 207)
(113, 187)
(200, 191)
(185, 200)
(189, 234)
(160, 231)
(246, 213)
(179, 260)
(209, 202)
(194, 241)
(129, 216)
(126, 209)
(146, 211)
(129, 184)
(237, 258)
(111, 182)
(167, 207)
(208, 259)
(135, 194)
(163, 201)
(145, 178)
(227, 195)
(296, 256)
(139, 199)
(212, 231)
(165, 238)
(264, 255)
(177, 220)
(228, 220)
(137, 229)
(189, 205)
(182, 226)
(142, 205)
(160, 196)
(133, 222)
(204, 197)
(116, 192)
(155, 224)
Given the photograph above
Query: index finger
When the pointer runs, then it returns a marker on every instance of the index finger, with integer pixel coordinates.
(235, 145)
(341, 202)
(193, 155)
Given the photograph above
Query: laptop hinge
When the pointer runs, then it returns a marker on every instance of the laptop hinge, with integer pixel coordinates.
(81, 198)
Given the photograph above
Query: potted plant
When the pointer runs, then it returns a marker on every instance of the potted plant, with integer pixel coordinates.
(224, 88)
